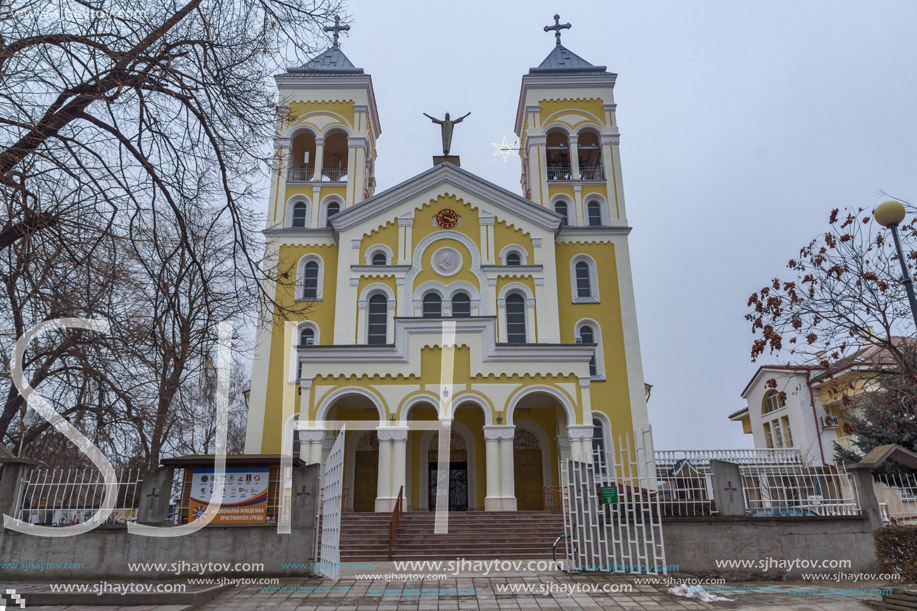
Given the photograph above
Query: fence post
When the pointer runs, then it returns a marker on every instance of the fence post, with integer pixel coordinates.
(14, 470)
(306, 494)
(726, 479)
(866, 489)
(155, 494)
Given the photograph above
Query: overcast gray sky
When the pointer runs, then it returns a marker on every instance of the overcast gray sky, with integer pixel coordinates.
(743, 124)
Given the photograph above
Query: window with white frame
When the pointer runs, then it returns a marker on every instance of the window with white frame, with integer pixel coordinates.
(331, 209)
(594, 213)
(307, 336)
(300, 214)
(772, 402)
(513, 254)
(432, 305)
(377, 324)
(587, 336)
(379, 259)
(562, 209)
(515, 319)
(584, 281)
(461, 305)
(309, 278)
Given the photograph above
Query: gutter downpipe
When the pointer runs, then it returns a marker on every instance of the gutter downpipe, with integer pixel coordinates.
(821, 448)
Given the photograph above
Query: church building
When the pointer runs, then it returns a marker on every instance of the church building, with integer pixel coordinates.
(527, 297)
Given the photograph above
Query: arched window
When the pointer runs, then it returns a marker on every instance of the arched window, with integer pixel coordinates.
(515, 319)
(461, 305)
(332, 209)
(772, 402)
(377, 329)
(334, 162)
(310, 281)
(587, 336)
(513, 258)
(561, 209)
(594, 212)
(307, 337)
(432, 305)
(379, 258)
(299, 214)
(583, 280)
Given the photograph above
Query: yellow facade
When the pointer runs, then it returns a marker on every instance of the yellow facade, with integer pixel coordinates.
(447, 299)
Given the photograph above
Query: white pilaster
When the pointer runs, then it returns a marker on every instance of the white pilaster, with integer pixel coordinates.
(501, 492)
(384, 481)
(573, 141)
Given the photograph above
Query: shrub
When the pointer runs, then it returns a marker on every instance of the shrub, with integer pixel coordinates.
(896, 550)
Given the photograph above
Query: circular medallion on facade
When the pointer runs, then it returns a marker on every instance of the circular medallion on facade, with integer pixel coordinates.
(447, 261)
(447, 218)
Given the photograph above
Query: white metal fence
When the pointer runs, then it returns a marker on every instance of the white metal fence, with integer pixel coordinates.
(897, 496)
(333, 485)
(64, 497)
(775, 483)
(618, 530)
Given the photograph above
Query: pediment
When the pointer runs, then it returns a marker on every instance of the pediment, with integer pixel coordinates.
(447, 179)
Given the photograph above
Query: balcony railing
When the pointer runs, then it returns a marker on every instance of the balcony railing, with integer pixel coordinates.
(306, 174)
(559, 173)
(334, 174)
(595, 172)
(299, 174)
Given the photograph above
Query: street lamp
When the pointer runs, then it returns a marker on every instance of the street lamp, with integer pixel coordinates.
(890, 214)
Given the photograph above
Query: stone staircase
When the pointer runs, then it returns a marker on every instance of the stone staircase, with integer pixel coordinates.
(519, 534)
(899, 600)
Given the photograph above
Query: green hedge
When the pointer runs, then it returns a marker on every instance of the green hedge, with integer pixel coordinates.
(896, 549)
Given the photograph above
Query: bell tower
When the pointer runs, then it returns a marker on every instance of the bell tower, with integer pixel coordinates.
(325, 142)
(569, 138)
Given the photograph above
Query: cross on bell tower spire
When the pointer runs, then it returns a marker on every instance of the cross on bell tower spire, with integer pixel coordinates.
(337, 28)
(557, 27)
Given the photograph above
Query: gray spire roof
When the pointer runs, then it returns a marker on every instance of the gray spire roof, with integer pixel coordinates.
(331, 62)
(562, 60)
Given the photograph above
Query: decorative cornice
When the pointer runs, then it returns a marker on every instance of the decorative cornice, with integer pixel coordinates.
(563, 442)
(447, 175)
(397, 434)
(609, 107)
(311, 436)
(534, 140)
(579, 432)
(610, 139)
(584, 382)
(495, 433)
(512, 270)
(282, 143)
(405, 221)
(486, 219)
(356, 143)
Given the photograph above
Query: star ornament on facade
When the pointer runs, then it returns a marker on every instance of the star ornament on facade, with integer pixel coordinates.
(505, 149)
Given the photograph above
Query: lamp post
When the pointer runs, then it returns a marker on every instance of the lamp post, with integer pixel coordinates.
(890, 214)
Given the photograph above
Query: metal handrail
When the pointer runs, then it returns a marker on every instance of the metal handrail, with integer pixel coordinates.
(393, 523)
(595, 172)
(560, 173)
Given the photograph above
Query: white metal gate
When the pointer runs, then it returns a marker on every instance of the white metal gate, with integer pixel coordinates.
(623, 534)
(333, 478)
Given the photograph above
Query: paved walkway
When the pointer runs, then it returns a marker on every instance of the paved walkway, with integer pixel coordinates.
(499, 591)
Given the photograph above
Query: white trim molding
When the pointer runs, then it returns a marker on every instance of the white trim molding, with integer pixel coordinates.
(593, 279)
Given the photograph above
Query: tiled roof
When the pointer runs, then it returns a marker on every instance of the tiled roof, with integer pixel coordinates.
(562, 60)
(741, 412)
(331, 62)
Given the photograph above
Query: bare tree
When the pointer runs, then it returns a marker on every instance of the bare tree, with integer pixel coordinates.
(843, 293)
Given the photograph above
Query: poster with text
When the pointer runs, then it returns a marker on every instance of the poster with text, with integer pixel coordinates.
(244, 494)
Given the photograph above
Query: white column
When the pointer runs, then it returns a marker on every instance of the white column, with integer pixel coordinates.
(384, 481)
(579, 212)
(277, 197)
(531, 335)
(356, 172)
(309, 440)
(399, 462)
(486, 221)
(507, 474)
(580, 441)
(572, 142)
(493, 501)
(319, 158)
(405, 246)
